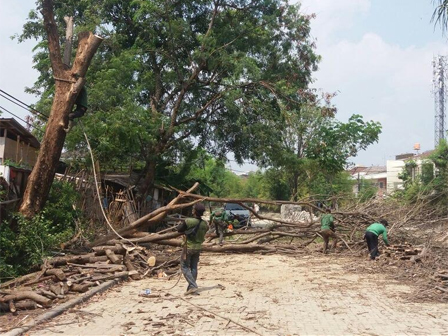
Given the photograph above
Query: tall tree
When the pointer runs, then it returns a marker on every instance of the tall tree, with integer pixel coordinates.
(173, 76)
(68, 83)
(315, 144)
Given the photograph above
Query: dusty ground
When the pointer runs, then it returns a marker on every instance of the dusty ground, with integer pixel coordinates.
(262, 295)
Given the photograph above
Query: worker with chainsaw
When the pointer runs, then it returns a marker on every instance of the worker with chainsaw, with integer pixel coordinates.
(194, 230)
(371, 237)
(328, 230)
(221, 219)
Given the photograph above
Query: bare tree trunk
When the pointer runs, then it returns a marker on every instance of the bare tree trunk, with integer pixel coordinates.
(69, 82)
(148, 182)
(68, 40)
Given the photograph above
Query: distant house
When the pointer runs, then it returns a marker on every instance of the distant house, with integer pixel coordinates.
(395, 168)
(17, 144)
(376, 174)
(18, 155)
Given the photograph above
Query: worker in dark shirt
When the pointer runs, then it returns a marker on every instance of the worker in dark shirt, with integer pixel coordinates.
(194, 230)
(80, 109)
(81, 105)
(371, 236)
(328, 230)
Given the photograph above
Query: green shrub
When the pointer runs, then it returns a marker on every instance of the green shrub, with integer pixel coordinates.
(25, 242)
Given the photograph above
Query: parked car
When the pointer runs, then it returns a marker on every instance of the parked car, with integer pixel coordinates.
(238, 212)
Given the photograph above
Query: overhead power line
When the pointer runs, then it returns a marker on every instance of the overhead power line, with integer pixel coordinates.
(20, 103)
(15, 115)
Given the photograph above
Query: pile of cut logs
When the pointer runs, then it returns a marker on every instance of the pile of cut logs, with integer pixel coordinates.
(406, 251)
(62, 276)
(442, 279)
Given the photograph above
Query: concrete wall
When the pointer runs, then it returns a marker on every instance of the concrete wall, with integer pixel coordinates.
(394, 168)
(377, 179)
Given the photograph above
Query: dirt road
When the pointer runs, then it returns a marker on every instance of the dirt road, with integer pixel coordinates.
(262, 295)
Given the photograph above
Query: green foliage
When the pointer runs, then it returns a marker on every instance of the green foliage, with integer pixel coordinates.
(25, 243)
(335, 141)
(408, 173)
(200, 166)
(12, 163)
(367, 190)
(275, 185)
(440, 159)
(427, 175)
(323, 187)
(270, 184)
(425, 185)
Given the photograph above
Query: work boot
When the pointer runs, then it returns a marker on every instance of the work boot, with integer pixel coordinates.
(192, 291)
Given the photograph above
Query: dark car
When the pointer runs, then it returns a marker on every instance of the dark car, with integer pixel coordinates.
(236, 211)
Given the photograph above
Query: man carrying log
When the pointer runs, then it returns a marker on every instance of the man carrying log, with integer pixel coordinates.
(194, 230)
(327, 230)
(371, 236)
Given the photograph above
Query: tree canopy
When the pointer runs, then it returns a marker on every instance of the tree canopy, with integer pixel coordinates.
(175, 77)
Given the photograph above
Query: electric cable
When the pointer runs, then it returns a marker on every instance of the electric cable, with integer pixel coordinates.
(15, 115)
(29, 108)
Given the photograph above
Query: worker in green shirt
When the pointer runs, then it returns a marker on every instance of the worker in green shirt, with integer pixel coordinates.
(220, 219)
(371, 236)
(194, 230)
(327, 230)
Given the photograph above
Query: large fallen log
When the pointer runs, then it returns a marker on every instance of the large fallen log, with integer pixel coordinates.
(155, 237)
(241, 201)
(117, 248)
(18, 296)
(21, 305)
(223, 248)
(78, 259)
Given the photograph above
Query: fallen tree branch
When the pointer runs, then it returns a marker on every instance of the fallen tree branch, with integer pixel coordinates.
(151, 218)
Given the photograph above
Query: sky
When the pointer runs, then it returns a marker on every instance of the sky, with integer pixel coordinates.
(376, 55)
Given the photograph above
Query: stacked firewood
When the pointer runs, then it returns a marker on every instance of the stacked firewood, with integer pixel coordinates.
(442, 279)
(61, 277)
(406, 251)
